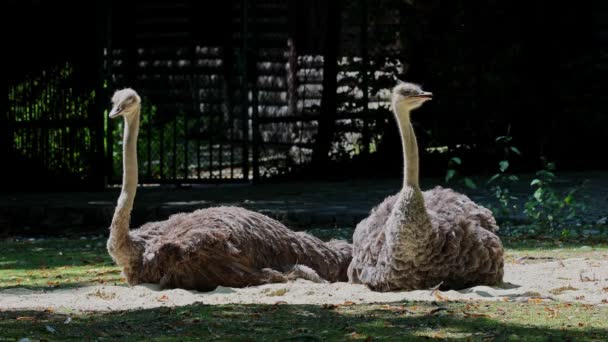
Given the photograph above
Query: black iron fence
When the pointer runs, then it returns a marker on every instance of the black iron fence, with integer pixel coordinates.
(50, 126)
(52, 129)
(249, 90)
(236, 95)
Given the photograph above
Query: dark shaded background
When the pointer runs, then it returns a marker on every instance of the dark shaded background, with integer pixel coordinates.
(534, 70)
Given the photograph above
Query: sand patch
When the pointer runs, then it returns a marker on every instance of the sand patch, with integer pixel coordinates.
(571, 280)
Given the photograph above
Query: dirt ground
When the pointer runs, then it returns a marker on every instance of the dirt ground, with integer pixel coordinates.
(533, 279)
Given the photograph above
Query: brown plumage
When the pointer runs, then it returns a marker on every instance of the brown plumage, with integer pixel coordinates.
(227, 246)
(415, 240)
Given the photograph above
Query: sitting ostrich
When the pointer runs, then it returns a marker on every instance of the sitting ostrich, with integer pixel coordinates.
(415, 240)
(227, 246)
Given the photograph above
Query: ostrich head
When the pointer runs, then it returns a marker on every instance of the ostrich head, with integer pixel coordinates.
(409, 96)
(125, 102)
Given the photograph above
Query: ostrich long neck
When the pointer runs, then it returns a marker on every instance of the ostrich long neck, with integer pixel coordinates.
(410, 147)
(119, 229)
(408, 228)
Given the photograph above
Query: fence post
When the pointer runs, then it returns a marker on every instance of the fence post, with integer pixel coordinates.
(244, 87)
(255, 127)
(99, 179)
(292, 75)
(329, 100)
(109, 153)
(6, 135)
(365, 78)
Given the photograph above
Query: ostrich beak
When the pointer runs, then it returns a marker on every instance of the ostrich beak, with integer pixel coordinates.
(115, 112)
(425, 95)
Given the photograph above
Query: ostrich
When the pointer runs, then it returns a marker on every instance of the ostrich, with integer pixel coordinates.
(415, 240)
(227, 246)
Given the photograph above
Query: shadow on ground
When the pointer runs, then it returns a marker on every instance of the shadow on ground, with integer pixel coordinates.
(395, 321)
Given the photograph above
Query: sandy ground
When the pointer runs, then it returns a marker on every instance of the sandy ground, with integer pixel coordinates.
(571, 280)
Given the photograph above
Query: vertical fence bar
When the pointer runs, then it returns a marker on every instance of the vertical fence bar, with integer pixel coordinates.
(149, 141)
(195, 89)
(199, 123)
(220, 113)
(101, 92)
(255, 128)
(6, 135)
(174, 147)
(228, 73)
(292, 75)
(161, 155)
(244, 87)
(365, 79)
(220, 159)
(210, 130)
(255, 133)
(186, 146)
(329, 93)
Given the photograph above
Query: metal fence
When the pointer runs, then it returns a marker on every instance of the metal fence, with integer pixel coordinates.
(52, 129)
(234, 95)
(230, 94)
(249, 90)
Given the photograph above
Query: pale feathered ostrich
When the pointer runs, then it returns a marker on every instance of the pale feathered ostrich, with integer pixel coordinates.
(415, 240)
(226, 246)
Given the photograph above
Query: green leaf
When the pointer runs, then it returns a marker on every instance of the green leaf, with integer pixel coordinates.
(538, 194)
(535, 182)
(469, 182)
(456, 160)
(513, 178)
(449, 175)
(504, 164)
(493, 178)
(515, 150)
(568, 199)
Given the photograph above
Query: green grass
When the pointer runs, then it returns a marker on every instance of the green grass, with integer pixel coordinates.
(544, 248)
(396, 321)
(68, 262)
(56, 262)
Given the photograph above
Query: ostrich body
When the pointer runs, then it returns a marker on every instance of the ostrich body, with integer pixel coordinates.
(417, 240)
(227, 246)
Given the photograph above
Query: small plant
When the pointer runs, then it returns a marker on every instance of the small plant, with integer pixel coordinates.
(503, 180)
(453, 173)
(547, 207)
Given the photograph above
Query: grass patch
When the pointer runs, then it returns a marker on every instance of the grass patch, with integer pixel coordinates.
(548, 249)
(68, 262)
(56, 262)
(395, 321)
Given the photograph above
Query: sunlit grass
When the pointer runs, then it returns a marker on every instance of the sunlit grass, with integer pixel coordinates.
(56, 262)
